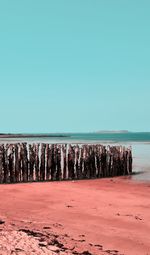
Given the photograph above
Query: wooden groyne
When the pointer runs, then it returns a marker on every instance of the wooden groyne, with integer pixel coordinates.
(24, 162)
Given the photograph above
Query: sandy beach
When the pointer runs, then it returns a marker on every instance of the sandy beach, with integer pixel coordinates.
(103, 216)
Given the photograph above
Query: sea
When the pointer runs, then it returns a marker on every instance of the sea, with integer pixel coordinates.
(139, 141)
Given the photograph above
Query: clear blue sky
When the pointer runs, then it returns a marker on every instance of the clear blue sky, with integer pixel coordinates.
(74, 65)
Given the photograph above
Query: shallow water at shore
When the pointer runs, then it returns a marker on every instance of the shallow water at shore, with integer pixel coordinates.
(141, 161)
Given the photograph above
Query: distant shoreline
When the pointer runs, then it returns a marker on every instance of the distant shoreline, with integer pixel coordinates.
(30, 135)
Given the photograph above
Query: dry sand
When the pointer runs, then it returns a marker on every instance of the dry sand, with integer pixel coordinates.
(105, 216)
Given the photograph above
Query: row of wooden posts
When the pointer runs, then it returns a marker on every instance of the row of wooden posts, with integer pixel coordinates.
(24, 162)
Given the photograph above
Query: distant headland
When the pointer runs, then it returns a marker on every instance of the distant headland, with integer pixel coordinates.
(112, 132)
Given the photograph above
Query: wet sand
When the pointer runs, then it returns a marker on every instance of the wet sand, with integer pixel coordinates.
(105, 216)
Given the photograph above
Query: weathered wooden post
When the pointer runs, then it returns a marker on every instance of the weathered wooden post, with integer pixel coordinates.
(42, 166)
(71, 157)
(103, 157)
(125, 161)
(31, 162)
(52, 162)
(17, 163)
(115, 161)
(6, 165)
(58, 163)
(84, 162)
(36, 160)
(64, 164)
(48, 162)
(10, 154)
(76, 162)
(24, 160)
(130, 160)
(92, 162)
(1, 163)
(80, 162)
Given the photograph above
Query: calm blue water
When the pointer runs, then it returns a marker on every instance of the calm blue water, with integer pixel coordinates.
(140, 143)
(107, 137)
(114, 137)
